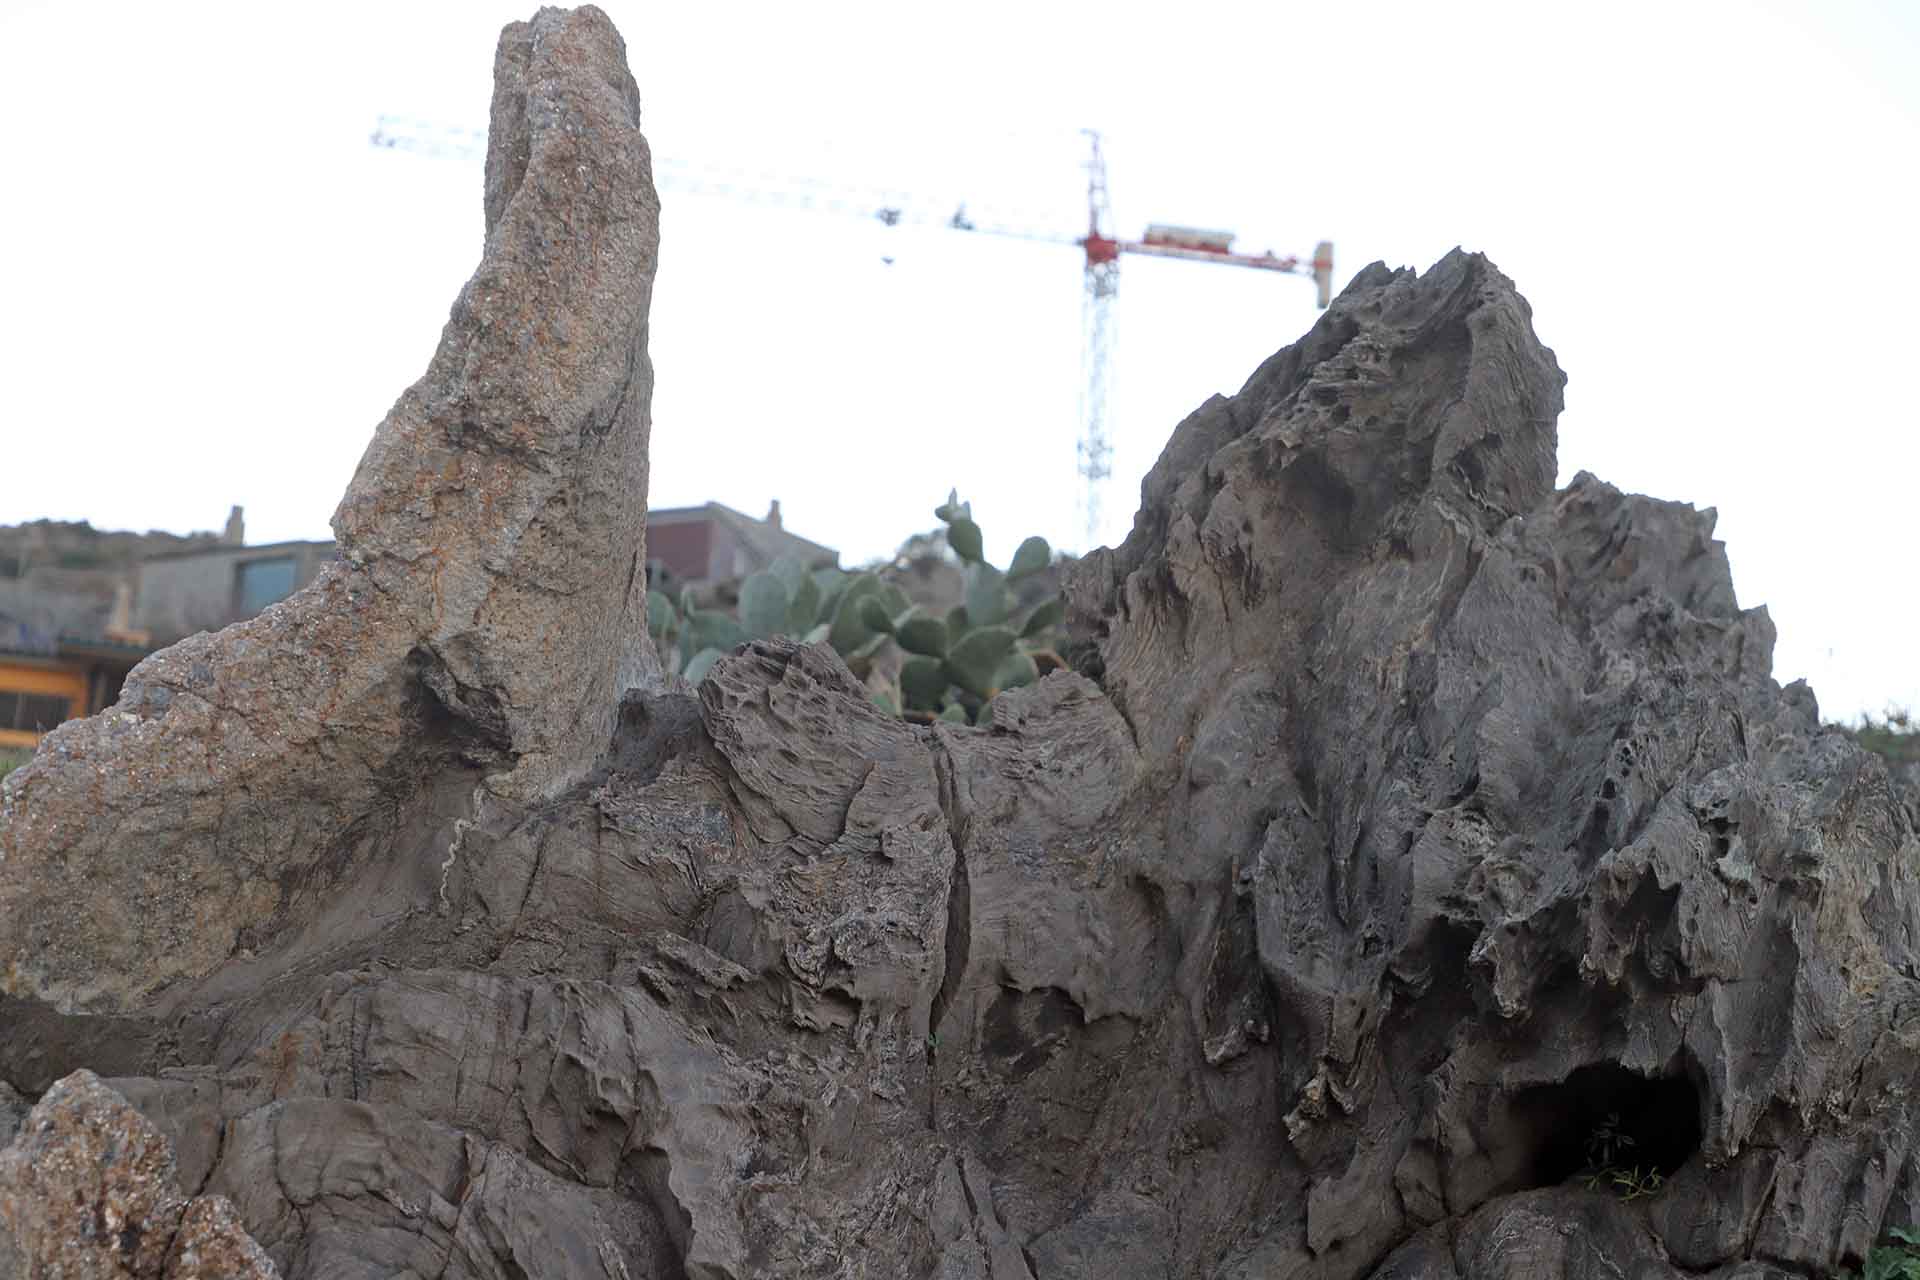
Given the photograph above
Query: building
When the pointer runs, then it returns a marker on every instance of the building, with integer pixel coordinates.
(80, 607)
(69, 636)
(43, 684)
(205, 589)
(61, 656)
(703, 547)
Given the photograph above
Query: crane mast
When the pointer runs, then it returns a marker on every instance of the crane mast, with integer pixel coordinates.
(1097, 316)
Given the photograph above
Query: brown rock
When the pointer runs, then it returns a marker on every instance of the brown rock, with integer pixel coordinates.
(89, 1189)
(487, 614)
(213, 1245)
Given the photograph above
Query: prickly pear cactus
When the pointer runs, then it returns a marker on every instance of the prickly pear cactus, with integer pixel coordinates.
(949, 667)
(957, 664)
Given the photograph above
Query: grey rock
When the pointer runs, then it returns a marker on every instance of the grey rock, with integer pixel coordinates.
(486, 617)
(1121, 1234)
(1542, 838)
(974, 1243)
(13, 1111)
(1427, 1256)
(1558, 1234)
(1414, 852)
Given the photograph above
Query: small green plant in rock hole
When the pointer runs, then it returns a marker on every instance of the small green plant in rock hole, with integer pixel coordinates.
(1628, 1184)
(1898, 1259)
(1607, 1170)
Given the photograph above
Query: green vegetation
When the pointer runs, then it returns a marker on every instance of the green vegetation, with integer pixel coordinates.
(1629, 1184)
(914, 663)
(1607, 1148)
(1898, 1259)
(1895, 737)
(12, 758)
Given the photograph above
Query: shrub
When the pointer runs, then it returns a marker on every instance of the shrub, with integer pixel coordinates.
(1898, 1259)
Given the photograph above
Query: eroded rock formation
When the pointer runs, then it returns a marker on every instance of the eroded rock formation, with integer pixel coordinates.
(1414, 849)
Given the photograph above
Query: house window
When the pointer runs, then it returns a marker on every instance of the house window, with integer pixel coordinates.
(261, 582)
(33, 712)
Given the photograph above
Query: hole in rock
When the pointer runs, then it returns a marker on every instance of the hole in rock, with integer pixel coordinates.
(1022, 1027)
(1605, 1116)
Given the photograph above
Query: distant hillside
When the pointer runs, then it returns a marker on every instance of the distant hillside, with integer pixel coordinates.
(66, 544)
(1895, 738)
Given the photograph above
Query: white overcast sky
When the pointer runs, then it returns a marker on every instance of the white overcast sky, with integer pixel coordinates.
(213, 287)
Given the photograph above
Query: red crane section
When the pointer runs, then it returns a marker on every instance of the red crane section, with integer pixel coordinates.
(1178, 242)
(1103, 253)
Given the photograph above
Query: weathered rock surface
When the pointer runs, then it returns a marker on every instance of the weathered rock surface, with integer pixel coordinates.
(473, 643)
(1416, 851)
(89, 1188)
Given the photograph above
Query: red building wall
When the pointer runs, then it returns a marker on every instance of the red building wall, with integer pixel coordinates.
(685, 548)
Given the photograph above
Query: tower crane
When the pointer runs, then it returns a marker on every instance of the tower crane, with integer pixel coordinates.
(1102, 250)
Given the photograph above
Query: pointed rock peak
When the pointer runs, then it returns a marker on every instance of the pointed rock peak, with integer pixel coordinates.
(470, 648)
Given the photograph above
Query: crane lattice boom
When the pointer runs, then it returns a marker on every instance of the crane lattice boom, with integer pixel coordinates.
(1102, 250)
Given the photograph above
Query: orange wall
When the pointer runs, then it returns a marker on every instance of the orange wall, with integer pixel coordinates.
(17, 677)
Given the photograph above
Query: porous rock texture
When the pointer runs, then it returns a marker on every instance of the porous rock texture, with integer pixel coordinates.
(1415, 852)
(472, 643)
